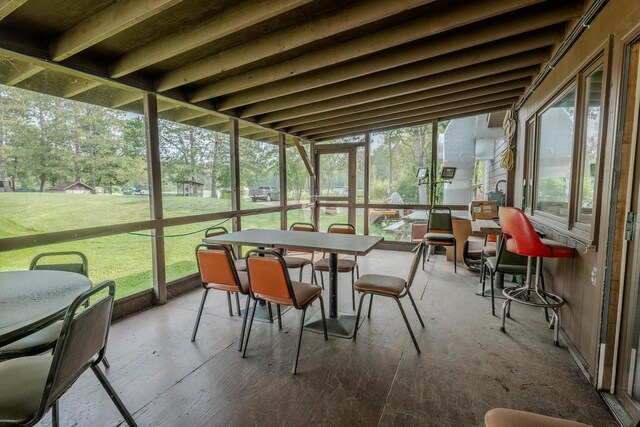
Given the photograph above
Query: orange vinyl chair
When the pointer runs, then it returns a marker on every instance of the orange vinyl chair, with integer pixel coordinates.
(499, 417)
(417, 235)
(345, 265)
(218, 271)
(298, 262)
(269, 281)
(391, 287)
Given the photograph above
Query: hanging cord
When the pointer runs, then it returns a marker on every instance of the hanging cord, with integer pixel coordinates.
(179, 235)
(510, 124)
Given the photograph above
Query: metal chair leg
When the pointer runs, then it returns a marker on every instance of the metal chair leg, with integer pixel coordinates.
(244, 322)
(279, 316)
(455, 257)
(428, 252)
(556, 331)
(413, 337)
(546, 310)
(270, 312)
(424, 257)
(55, 414)
(229, 303)
(355, 330)
(322, 279)
(357, 271)
(370, 304)
(353, 292)
(324, 320)
(246, 342)
(105, 362)
(415, 307)
(195, 327)
(505, 304)
(238, 303)
(295, 364)
(493, 306)
(113, 395)
(483, 277)
(300, 277)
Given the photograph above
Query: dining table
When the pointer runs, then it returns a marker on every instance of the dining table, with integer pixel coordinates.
(334, 244)
(33, 299)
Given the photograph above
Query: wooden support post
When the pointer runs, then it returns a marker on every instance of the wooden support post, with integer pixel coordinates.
(367, 166)
(150, 104)
(234, 156)
(353, 166)
(433, 188)
(282, 156)
(314, 185)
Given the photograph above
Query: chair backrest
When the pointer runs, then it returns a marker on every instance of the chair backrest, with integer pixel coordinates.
(341, 229)
(506, 257)
(418, 231)
(418, 250)
(81, 267)
(440, 220)
(269, 278)
(215, 265)
(83, 337)
(215, 231)
(520, 236)
(301, 226)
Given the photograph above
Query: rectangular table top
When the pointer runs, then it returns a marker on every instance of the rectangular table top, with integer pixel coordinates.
(485, 226)
(348, 244)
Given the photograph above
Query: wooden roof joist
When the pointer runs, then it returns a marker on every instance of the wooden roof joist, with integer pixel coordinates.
(236, 18)
(535, 44)
(385, 60)
(417, 120)
(422, 27)
(425, 110)
(340, 20)
(515, 86)
(8, 6)
(418, 89)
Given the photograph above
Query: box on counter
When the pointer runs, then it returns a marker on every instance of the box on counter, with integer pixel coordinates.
(483, 209)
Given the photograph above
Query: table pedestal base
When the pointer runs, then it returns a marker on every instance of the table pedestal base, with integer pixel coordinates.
(342, 327)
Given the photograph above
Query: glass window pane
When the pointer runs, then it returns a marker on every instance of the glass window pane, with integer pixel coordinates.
(299, 215)
(392, 224)
(66, 164)
(195, 170)
(332, 215)
(589, 161)
(298, 178)
(528, 164)
(396, 156)
(123, 258)
(259, 174)
(555, 152)
(334, 174)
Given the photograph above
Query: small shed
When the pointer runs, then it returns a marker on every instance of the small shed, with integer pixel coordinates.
(190, 188)
(72, 188)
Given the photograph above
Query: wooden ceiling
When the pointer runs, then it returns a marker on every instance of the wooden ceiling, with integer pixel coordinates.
(316, 69)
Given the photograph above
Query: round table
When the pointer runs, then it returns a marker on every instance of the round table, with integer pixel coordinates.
(31, 300)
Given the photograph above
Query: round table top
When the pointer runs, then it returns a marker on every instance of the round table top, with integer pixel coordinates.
(30, 300)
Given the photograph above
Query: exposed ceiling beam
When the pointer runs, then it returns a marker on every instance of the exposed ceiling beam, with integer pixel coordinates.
(303, 156)
(259, 135)
(166, 106)
(230, 20)
(125, 98)
(21, 71)
(418, 120)
(403, 92)
(343, 19)
(186, 115)
(111, 20)
(206, 121)
(488, 93)
(509, 80)
(8, 6)
(425, 110)
(453, 69)
(79, 86)
(421, 27)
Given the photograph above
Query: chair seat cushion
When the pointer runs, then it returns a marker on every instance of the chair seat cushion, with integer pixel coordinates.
(22, 387)
(244, 282)
(344, 265)
(296, 262)
(492, 262)
(439, 238)
(304, 292)
(511, 418)
(241, 264)
(380, 283)
(558, 250)
(35, 343)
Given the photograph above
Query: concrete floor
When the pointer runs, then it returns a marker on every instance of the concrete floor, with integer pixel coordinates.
(467, 365)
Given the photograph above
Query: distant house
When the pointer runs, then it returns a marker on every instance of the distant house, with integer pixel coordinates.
(190, 188)
(72, 188)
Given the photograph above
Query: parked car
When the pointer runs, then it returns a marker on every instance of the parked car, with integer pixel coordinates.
(265, 192)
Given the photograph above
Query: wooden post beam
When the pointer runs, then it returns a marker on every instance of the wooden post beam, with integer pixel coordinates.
(21, 71)
(417, 120)
(429, 48)
(234, 164)
(489, 91)
(8, 6)
(342, 19)
(111, 20)
(80, 86)
(404, 92)
(304, 157)
(484, 54)
(406, 32)
(282, 164)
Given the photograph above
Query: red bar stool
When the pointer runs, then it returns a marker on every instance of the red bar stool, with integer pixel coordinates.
(521, 238)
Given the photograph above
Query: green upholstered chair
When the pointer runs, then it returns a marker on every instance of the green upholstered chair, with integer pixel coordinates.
(440, 232)
(32, 385)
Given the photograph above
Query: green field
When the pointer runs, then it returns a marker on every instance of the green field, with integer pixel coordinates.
(124, 258)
